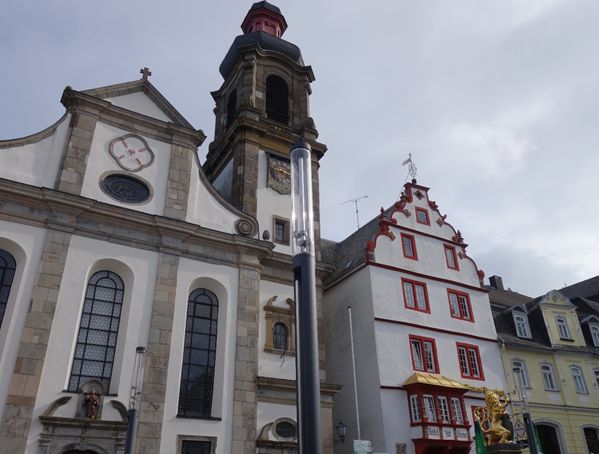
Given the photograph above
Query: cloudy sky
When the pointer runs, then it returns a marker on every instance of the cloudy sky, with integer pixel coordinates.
(496, 100)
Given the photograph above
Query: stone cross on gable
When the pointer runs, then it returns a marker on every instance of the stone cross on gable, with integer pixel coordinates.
(145, 72)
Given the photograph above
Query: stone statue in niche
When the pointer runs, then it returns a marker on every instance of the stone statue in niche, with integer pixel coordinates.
(90, 401)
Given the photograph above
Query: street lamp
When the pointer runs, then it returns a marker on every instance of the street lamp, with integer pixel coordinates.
(341, 430)
(302, 248)
(134, 400)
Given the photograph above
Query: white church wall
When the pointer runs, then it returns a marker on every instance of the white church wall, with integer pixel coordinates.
(100, 163)
(357, 293)
(141, 103)
(223, 281)
(137, 268)
(36, 163)
(25, 244)
(271, 203)
(204, 209)
(273, 364)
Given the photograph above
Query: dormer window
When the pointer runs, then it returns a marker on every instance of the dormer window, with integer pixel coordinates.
(521, 324)
(594, 334)
(563, 329)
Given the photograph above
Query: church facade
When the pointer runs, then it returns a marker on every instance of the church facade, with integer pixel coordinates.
(114, 237)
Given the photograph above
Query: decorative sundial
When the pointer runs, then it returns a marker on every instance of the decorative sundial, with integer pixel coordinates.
(131, 152)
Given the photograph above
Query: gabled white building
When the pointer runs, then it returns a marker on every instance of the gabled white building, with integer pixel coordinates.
(112, 236)
(423, 331)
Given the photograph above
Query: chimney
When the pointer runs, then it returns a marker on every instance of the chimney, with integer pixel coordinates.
(496, 282)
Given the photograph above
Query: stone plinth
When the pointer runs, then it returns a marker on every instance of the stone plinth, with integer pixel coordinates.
(504, 448)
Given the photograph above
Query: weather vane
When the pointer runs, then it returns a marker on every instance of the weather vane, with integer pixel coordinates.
(411, 167)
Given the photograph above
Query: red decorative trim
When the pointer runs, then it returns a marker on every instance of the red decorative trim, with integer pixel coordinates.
(438, 330)
(383, 230)
(458, 238)
(469, 348)
(451, 249)
(422, 340)
(430, 235)
(427, 220)
(414, 295)
(428, 276)
(458, 294)
(412, 240)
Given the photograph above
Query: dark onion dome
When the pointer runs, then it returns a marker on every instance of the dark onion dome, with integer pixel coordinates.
(266, 5)
(266, 42)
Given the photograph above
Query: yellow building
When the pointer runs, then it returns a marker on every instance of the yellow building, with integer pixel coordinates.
(550, 354)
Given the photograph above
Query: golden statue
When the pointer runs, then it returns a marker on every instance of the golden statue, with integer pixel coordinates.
(492, 417)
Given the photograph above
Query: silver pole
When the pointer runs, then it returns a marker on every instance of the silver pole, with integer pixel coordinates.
(134, 401)
(353, 363)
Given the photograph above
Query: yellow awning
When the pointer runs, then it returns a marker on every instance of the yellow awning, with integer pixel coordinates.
(424, 378)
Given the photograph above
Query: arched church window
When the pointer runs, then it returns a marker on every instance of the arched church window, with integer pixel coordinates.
(279, 336)
(199, 355)
(231, 107)
(98, 330)
(8, 266)
(277, 99)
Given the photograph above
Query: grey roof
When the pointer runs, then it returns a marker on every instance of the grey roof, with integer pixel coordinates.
(267, 6)
(350, 253)
(586, 289)
(266, 42)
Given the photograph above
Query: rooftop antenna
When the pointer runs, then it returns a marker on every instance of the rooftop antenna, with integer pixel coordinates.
(412, 170)
(355, 202)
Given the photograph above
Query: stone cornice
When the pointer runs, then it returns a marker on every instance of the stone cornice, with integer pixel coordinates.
(284, 384)
(117, 116)
(47, 208)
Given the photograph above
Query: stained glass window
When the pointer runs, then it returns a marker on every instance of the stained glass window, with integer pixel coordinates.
(125, 188)
(7, 274)
(199, 355)
(98, 330)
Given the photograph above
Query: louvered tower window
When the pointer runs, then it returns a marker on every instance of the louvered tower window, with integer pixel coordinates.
(98, 330)
(199, 355)
(277, 99)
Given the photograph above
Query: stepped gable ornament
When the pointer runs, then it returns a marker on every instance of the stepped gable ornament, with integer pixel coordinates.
(131, 152)
(384, 230)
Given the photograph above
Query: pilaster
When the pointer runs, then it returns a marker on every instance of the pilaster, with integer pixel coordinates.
(159, 345)
(179, 177)
(25, 380)
(245, 404)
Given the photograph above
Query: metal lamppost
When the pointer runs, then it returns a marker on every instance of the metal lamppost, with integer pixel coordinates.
(302, 245)
(530, 428)
(134, 401)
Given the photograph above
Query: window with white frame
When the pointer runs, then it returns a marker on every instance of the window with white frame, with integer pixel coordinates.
(520, 373)
(414, 408)
(594, 334)
(562, 328)
(429, 408)
(522, 326)
(548, 377)
(443, 409)
(456, 408)
(579, 383)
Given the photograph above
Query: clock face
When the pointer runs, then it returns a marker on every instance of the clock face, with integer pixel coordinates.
(131, 152)
(279, 175)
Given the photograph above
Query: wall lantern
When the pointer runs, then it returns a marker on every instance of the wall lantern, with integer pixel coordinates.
(341, 430)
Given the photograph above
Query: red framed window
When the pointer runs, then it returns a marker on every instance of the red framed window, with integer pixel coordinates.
(469, 359)
(422, 216)
(415, 295)
(451, 257)
(424, 354)
(459, 305)
(408, 244)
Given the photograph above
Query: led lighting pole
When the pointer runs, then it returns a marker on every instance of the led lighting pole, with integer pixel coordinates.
(528, 423)
(132, 414)
(302, 245)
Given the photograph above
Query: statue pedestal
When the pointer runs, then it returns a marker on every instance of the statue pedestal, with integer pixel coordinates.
(505, 448)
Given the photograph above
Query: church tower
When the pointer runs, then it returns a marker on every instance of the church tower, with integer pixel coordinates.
(261, 108)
